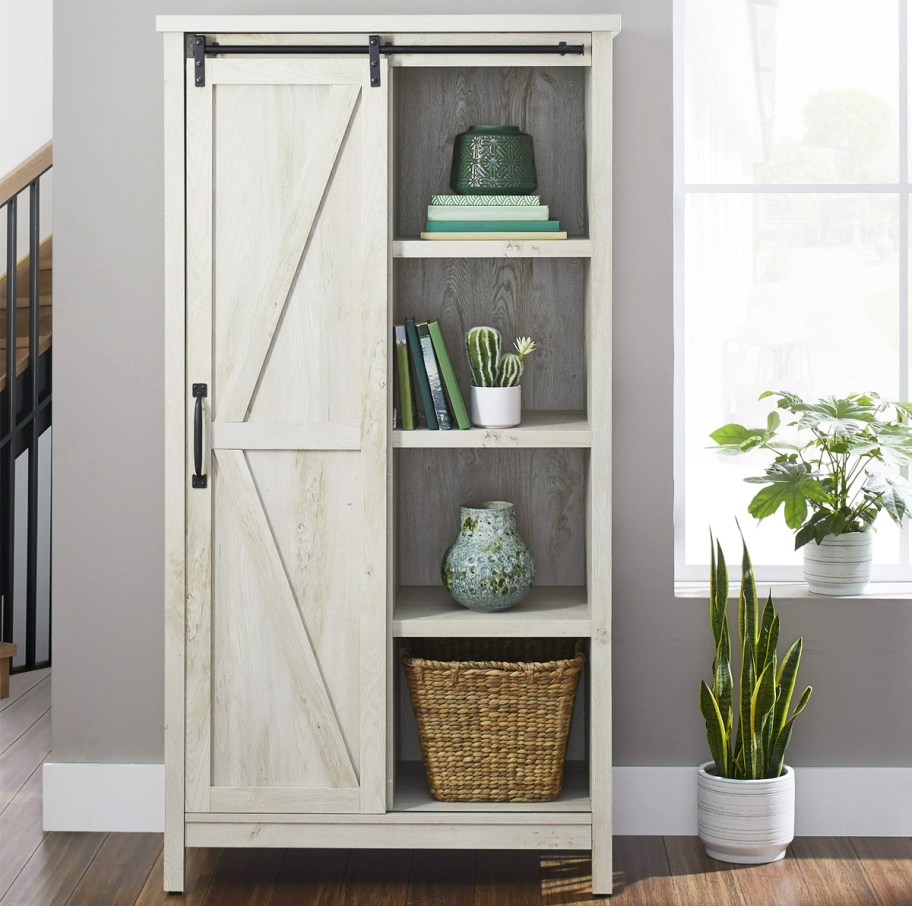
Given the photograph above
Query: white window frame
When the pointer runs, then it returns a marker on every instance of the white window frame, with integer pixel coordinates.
(697, 572)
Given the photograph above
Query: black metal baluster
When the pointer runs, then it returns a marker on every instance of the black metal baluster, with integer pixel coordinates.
(8, 456)
(31, 601)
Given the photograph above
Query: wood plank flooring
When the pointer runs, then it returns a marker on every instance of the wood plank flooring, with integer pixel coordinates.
(82, 869)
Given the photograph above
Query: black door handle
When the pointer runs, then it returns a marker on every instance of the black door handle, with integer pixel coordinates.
(198, 480)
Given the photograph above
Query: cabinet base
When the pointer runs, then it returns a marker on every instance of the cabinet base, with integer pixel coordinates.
(480, 834)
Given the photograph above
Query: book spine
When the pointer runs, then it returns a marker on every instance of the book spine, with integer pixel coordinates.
(433, 376)
(492, 226)
(450, 384)
(421, 378)
(406, 411)
(488, 212)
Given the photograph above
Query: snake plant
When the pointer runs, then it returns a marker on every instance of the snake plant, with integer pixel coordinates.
(490, 368)
(760, 702)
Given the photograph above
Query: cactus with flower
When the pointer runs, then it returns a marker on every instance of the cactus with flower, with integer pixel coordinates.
(489, 365)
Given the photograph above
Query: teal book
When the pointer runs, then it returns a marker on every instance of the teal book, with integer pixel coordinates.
(469, 201)
(492, 226)
(450, 384)
(421, 377)
(406, 405)
(433, 376)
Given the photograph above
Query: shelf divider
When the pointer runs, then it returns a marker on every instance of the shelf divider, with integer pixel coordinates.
(427, 611)
(412, 247)
(539, 428)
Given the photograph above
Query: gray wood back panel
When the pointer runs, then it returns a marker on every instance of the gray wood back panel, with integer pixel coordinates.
(541, 298)
(546, 486)
(433, 105)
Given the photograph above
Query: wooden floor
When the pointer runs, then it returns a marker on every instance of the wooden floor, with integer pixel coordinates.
(39, 869)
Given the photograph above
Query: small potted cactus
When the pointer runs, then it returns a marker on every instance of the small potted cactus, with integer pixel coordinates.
(496, 399)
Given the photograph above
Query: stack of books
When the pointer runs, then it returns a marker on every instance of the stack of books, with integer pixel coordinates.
(424, 373)
(490, 217)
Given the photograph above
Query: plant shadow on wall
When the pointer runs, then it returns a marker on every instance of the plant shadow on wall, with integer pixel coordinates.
(832, 475)
(746, 795)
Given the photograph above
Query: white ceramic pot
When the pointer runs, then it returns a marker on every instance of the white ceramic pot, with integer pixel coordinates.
(745, 821)
(840, 564)
(496, 407)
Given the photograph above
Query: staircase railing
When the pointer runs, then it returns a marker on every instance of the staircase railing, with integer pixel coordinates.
(25, 414)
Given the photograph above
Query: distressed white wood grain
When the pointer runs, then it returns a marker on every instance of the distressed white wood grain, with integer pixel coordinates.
(444, 833)
(174, 455)
(198, 616)
(502, 24)
(598, 514)
(311, 500)
(252, 70)
(280, 436)
(274, 724)
(251, 323)
(492, 248)
(375, 378)
(427, 611)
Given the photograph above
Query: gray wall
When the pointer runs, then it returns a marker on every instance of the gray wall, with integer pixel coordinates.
(108, 647)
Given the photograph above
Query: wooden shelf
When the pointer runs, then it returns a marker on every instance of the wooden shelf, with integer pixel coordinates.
(577, 247)
(412, 794)
(426, 611)
(541, 428)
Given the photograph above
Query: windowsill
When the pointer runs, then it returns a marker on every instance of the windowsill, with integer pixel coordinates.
(876, 591)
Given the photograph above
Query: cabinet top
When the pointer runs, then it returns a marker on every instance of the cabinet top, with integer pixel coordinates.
(381, 24)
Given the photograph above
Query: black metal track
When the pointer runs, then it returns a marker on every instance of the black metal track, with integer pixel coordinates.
(203, 48)
(214, 50)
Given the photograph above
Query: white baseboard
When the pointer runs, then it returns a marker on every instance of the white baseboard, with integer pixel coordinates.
(863, 802)
(838, 802)
(104, 797)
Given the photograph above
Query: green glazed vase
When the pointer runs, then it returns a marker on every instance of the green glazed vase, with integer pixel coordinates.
(493, 160)
(488, 567)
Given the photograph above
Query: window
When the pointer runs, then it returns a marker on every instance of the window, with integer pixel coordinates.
(792, 241)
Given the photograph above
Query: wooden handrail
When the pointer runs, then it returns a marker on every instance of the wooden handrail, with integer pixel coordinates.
(30, 169)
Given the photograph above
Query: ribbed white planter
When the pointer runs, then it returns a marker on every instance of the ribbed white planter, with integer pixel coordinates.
(745, 821)
(496, 407)
(840, 564)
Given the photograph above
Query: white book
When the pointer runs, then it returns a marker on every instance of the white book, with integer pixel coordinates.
(488, 212)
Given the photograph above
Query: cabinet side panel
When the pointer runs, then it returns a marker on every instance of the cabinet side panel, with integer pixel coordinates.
(598, 336)
(174, 311)
(199, 500)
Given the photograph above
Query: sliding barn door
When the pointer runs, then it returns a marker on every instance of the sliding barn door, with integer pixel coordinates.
(286, 645)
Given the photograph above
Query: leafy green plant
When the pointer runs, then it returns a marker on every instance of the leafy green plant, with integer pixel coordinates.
(489, 367)
(843, 471)
(755, 748)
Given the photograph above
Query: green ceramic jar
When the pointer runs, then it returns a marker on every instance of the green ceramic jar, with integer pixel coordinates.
(488, 567)
(493, 160)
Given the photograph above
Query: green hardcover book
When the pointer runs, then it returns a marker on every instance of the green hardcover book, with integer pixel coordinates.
(469, 201)
(450, 384)
(421, 378)
(433, 376)
(492, 226)
(406, 410)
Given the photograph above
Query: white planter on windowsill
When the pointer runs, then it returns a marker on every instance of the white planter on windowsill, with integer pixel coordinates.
(496, 407)
(745, 821)
(840, 564)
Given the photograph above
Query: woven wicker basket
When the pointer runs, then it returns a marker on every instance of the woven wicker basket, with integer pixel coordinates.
(493, 728)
